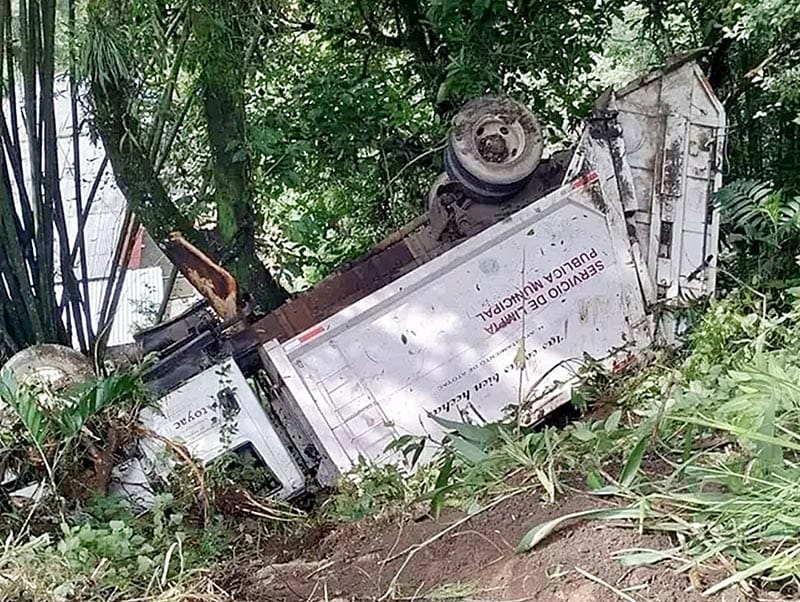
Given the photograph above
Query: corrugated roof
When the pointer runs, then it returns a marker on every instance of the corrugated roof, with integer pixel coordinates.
(140, 298)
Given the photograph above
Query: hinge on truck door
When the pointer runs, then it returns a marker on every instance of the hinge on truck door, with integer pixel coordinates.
(665, 240)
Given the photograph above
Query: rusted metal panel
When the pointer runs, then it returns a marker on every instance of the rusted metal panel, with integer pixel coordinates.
(298, 314)
(268, 327)
(283, 320)
(385, 265)
(335, 293)
(331, 292)
(421, 246)
(213, 282)
(365, 275)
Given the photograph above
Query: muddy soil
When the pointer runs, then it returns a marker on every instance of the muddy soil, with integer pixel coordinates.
(475, 561)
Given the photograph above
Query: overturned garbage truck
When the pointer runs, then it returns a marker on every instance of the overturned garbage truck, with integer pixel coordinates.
(520, 269)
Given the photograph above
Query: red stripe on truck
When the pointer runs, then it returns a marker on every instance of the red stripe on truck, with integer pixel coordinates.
(584, 180)
(307, 336)
(621, 364)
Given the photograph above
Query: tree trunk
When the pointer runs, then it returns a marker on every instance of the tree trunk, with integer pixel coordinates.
(222, 78)
(133, 169)
(136, 155)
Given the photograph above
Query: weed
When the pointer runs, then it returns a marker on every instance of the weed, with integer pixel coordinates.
(69, 437)
(726, 424)
(107, 553)
(370, 490)
(91, 547)
(703, 443)
(240, 470)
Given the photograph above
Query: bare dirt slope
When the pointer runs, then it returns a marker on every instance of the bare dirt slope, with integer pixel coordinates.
(450, 559)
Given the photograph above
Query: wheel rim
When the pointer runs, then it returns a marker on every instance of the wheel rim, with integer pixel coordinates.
(497, 141)
(492, 193)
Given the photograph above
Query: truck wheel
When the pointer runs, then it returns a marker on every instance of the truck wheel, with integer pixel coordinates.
(493, 147)
(55, 365)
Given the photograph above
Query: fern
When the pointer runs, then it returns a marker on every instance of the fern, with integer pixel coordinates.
(741, 200)
(755, 204)
(761, 227)
(790, 214)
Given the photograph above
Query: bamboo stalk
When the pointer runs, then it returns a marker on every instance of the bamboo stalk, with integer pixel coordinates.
(76, 161)
(53, 203)
(14, 265)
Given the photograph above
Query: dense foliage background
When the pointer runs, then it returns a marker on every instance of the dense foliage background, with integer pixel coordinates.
(346, 101)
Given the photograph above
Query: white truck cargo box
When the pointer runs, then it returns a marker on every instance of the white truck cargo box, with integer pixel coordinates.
(674, 131)
(666, 136)
(446, 339)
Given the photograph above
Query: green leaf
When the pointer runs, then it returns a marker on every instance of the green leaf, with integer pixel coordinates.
(789, 520)
(641, 557)
(547, 484)
(739, 576)
(471, 452)
(440, 488)
(607, 490)
(582, 432)
(538, 533)
(398, 443)
(594, 480)
(144, 564)
(738, 431)
(612, 422)
(477, 434)
(418, 448)
(35, 421)
(631, 467)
